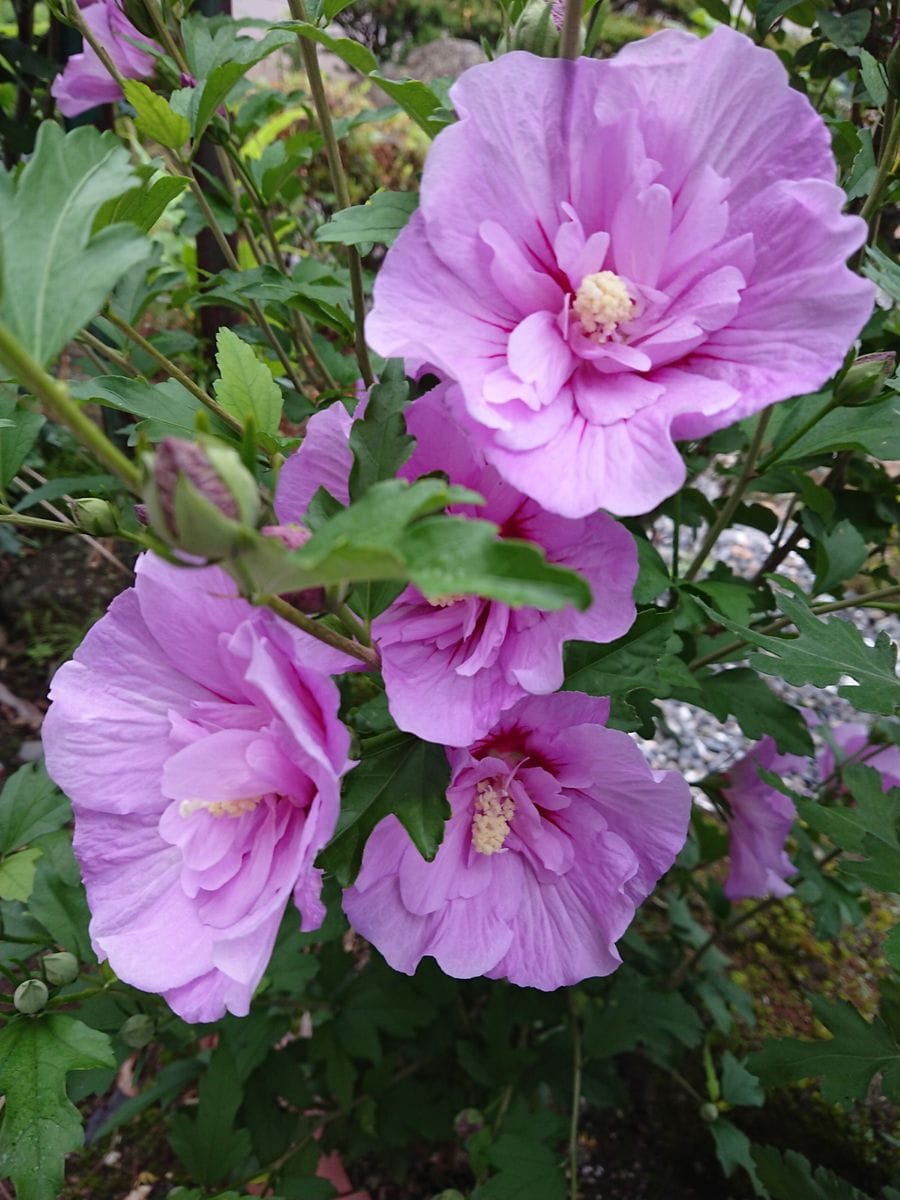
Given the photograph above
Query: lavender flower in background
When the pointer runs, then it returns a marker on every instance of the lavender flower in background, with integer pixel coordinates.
(559, 830)
(854, 744)
(85, 81)
(451, 668)
(609, 256)
(199, 741)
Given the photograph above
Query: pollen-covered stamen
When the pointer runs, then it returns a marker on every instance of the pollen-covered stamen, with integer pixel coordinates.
(601, 304)
(220, 808)
(494, 809)
(444, 601)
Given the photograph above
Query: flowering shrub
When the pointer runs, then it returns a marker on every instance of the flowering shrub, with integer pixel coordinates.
(456, 756)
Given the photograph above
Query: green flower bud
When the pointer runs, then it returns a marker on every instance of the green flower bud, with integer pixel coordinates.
(138, 1031)
(709, 1112)
(538, 29)
(61, 968)
(865, 379)
(95, 516)
(467, 1122)
(31, 996)
(199, 496)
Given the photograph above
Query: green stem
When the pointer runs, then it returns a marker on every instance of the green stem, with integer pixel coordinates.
(576, 1098)
(869, 600)
(108, 352)
(728, 509)
(174, 372)
(165, 36)
(352, 623)
(339, 182)
(780, 451)
(571, 30)
(56, 399)
(14, 518)
(317, 630)
(887, 164)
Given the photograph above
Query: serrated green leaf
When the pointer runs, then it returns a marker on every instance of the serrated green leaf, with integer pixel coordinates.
(822, 652)
(790, 1177)
(525, 1169)
(639, 1012)
(643, 658)
(872, 428)
(846, 1062)
(653, 574)
(739, 692)
(154, 116)
(208, 1144)
(884, 271)
(141, 206)
(54, 275)
(17, 874)
(19, 429)
(740, 1086)
(378, 221)
(245, 387)
(232, 58)
(408, 778)
(733, 1150)
(846, 30)
(379, 442)
(40, 1126)
(30, 806)
(167, 408)
(840, 553)
(874, 78)
(58, 899)
(869, 830)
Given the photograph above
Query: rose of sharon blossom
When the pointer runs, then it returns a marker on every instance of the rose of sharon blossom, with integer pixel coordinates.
(199, 742)
(85, 81)
(451, 667)
(855, 746)
(761, 819)
(559, 830)
(611, 255)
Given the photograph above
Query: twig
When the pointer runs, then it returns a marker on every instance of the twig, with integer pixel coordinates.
(576, 1097)
(317, 629)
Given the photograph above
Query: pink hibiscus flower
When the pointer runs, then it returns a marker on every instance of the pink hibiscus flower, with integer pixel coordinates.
(854, 744)
(85, 82)
(199, 742)
(609, 256)
(451, 668)
(559, 830)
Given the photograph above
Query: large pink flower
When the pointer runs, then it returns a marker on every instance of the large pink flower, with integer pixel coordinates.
(559, 830)
(761, 819)
(199, 741)
(450, 668)
(612, 255)
(85, 82)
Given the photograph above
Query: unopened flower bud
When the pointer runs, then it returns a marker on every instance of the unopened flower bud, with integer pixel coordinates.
(865, 379)
(31, 996)
(308, 600)
(709, 1112)
(61, 968)
(537, 30)
(199, 496)
(95, 516)
(138, 1031)
(468, 1122)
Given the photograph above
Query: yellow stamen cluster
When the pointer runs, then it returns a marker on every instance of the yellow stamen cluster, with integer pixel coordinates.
(601, 304)
(494, 809)
(220, 808)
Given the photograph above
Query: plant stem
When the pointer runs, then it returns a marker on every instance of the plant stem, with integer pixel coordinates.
(174, 372)
(795, 437)
(728, 509)
(887, 164)
(317, 630)
(869, 600)
(14, 518)
(56, 399)
(310, 58)
(108, 352)
(571, 30)
(576, 1097)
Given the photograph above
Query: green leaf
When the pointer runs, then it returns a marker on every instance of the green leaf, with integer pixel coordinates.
(143, 205)
(55, 275)
(848, 30)
(643, 658)
(241, 53)
(525, 1169)
(154, 117)
(168, 408)
(790, 1177)
(846, 1062)
(874, 78)
(868, 829)
(58, 900)
(640, 1012)
(653, 574)
(379, 442)
(408, 778)
(16, 437)
(208, 1144)
(884, 271)
(733, 1150)
(245, 387)
(30, 806)
(872, 429)
(768, 12)
(379, 220)
(822, 652)
(739, 692)
(40, 1126)
(17, 874)
(740, 1086)
(840, 553)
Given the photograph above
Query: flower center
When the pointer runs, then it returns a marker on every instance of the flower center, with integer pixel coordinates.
(601, 304)
(494, 809)
(220, 808)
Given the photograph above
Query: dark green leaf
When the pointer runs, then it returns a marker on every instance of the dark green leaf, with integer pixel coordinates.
(168, 408)
(208, 1144)
(408, 778)
(40, 1126)
(653, 574)
(379, 442)
(378, 221)
(873, 429)
(141, 206)
(17, 437)
(643, 658)
(525, 1169)
(58, 899)
(739, 692)
(733, 1150)
(792, 1178)
(847, 30)
(740, 1086)
(639, 1012)
(30, 806)
(884, 271)
(874, 78)
(768, 12)
(54, 275)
